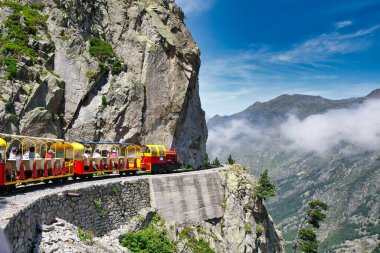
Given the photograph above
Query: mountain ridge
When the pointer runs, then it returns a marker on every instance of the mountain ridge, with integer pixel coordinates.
(346, 177)
(296, 100)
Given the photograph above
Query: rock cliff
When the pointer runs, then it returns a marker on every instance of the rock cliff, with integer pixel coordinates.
(101, 70)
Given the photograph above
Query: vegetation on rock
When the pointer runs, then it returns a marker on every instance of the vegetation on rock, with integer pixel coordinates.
(85, 236)
(247, 228)
(216, 162)
(149, 239)
(102, 50)
(306, 237)
(230, 161)
(265, 188)
(15, 34)
(206, 161)
(259, 229)
(196, 245)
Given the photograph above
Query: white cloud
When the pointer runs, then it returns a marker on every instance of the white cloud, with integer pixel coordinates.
(223, 139)
(349, 130)
(357, 127)
(194, 6)
(342, 24)
(325, 46)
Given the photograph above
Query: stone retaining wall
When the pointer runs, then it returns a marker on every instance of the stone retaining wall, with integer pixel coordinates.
(99, 208)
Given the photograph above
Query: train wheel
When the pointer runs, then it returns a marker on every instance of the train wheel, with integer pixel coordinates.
(64, 180)
(90, 176)
(56, 180)
(133, 173)
(46, 181)
(82, 177)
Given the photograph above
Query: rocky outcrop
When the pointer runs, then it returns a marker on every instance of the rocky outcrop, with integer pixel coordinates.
(365, 244)
(144, 91)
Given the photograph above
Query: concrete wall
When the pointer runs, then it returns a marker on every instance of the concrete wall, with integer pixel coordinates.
(188, 200)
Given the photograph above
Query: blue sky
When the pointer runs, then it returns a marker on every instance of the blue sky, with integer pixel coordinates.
(257, 50)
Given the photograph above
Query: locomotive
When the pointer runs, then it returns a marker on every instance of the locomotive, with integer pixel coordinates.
(25, 159)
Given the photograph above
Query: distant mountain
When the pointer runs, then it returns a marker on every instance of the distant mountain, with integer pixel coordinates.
(346, 177)
(276, 111)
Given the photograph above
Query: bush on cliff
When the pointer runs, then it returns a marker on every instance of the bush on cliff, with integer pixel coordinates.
(101, 49)
(149, 240)
(15, 33)
(265, 188)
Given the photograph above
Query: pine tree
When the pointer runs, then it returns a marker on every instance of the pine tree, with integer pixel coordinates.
(216, 162)
(265, 188)
(306, 237)
(206, 161)
(230, 160)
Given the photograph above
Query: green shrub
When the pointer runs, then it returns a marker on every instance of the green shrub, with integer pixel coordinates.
(116, 67)
(98, 204)
(196, 246)
(216, 162)
(104, 101)
(37, 6)
(13, 48)
(149, 239)
(247, 228)
(206, 161)
(101, 49)
(10, 62)
(91, 74)
(14, 42)
(265, 188)
(200, 246)
(106, 213)
(259, 229)
(230, 161)
(85, 236)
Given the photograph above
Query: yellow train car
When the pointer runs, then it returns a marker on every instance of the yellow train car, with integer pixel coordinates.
(26, 159)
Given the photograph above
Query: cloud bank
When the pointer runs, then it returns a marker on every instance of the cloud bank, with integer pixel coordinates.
(359, 127)
(353, 130)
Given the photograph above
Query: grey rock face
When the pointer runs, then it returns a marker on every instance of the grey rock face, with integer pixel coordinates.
(154, 99)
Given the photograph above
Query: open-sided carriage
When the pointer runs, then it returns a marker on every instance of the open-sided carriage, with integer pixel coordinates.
(106, 157)
(123, 158)
(25, 159)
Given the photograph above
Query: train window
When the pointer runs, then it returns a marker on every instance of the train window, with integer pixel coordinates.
(69, 154)
(162, 152)
(78, 154)
(154, 151)
(131, 153)
(145, 149)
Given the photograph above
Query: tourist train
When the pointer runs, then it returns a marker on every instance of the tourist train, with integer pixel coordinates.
(26, 160)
